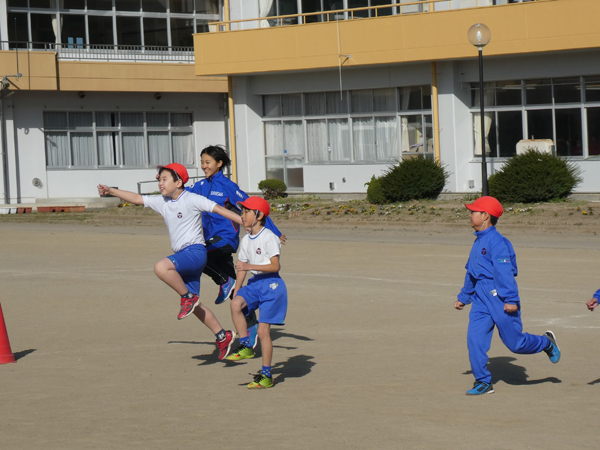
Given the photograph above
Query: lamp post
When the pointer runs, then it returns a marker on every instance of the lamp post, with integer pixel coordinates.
(479, 35)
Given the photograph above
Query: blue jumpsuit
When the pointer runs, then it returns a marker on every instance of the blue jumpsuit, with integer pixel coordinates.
(489, 284)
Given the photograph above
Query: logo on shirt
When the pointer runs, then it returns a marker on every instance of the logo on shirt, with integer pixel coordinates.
(258, 251)
(179, 215)
(483, 251)
(273, 286)
(218, 194)
(503, 260)
(238, 194)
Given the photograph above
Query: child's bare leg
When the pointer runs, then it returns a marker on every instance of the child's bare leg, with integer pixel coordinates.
(239, 320)
(266, 345)
(208, 318)
(165, 270)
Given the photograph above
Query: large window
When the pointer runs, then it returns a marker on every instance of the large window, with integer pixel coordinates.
(564, 110)
(352, 127)
(117, 139)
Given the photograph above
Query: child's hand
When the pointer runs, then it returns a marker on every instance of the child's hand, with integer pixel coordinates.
(282, 238)
(459, 305)
(241, 265)
(103, 189)
(591, 305)
(510, 307)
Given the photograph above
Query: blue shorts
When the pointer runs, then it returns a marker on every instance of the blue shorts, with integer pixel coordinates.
(268, 293)
(190, 263)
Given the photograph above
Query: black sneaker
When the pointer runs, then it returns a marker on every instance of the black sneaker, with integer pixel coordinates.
(552, 350)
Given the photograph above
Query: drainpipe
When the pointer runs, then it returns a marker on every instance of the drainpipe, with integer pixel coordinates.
(436, 116)
(230, 105)
(4, 154)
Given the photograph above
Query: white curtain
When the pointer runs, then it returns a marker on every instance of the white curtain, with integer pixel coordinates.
(183, 148)
(404, 120)
(336, 103)
(316, 135)
(293, 138)
(384, 100)
(314, 104)
(339, 140)
(386, 137)
(133, 149)
(274, 138)
(364, 139)
(159, 149)
(57, 149)
(181, 120)
(488, 99)
(291, 105)
(362, 101)
(108, 148)
(82, 148)
(264, 6)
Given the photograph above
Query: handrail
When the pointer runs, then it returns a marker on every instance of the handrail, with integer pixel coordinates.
(422, 6)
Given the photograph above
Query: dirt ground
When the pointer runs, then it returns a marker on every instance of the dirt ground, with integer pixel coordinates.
(372, 354)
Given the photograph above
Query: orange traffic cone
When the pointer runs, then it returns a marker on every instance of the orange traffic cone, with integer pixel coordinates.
(6, 355)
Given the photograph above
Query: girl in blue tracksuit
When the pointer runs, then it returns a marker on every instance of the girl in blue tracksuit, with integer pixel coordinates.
(221, 236)
(491, 288)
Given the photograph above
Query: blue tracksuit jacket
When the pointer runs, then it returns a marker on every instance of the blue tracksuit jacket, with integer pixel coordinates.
(219, 231)
(489, 284)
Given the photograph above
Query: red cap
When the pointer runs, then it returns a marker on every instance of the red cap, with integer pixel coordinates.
(487, 204)
(179, 169)
(256, 204)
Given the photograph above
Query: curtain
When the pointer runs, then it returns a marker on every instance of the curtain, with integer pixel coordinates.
(316, 136)
(57, 149)
(133, 149)
(159, 149)
(293, 138)
(488, 99)
(55, 120)
(336, 103)
(264, 7)
(181, 120)
(314, 104)
(274, 138)
(384, 100)
(183, 149)
(82, 148)
(80, 120)
(362, 101)
(339, 139)
(108, 148)
(291, 105)
(157, 120)
(364, 139)
(404, 120)
(386, 137)
(271, 105)
(132, 120)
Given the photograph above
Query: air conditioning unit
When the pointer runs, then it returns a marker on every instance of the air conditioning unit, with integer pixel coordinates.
(541, 145)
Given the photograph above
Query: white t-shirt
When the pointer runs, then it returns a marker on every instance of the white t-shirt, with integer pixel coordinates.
(183, 217)
(259, 249)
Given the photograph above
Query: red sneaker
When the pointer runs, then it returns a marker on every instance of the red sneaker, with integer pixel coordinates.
(225, 344)
(187, 306)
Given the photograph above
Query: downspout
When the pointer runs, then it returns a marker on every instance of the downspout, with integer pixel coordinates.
(436, 116)
(3, 146)
(230, 105)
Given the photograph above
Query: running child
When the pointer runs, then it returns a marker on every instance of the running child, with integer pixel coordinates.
(266, 291)
(491, 287)
(182, 212)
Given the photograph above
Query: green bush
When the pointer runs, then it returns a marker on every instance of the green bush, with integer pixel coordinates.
(415, 178)
(375, 192)
(534, 177)
(272, 188)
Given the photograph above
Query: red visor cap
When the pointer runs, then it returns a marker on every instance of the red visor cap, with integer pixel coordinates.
(487, 204)
(179, 169)
(256, 204)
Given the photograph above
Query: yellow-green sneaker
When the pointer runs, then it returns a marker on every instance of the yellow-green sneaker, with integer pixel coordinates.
(242, 352)
(261, 382)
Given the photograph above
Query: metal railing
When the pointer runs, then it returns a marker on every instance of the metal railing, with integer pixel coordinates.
(105, 52)
(415, 7)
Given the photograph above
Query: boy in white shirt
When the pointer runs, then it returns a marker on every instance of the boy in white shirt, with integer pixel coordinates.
(182, 212)
(259, 253)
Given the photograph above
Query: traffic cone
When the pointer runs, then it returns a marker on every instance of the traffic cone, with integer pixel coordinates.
(6, 355)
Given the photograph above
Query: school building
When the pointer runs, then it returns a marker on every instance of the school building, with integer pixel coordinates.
(322, 94)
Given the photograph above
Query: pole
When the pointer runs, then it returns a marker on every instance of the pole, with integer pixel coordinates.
(436, 116)
(484, 178)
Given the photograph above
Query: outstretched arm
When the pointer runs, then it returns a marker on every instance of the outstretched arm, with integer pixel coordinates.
(128, 196)
(227, 214)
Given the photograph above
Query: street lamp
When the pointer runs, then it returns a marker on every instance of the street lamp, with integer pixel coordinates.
(479, 35)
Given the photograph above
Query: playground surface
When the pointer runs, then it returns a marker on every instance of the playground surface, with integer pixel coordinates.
(372, 355)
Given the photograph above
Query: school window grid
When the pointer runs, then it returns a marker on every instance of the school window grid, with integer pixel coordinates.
(352, 127)
(565, 110)
(109, 22)
(102, 139)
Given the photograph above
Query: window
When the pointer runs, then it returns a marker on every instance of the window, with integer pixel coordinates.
(112, 139)
(128, 31)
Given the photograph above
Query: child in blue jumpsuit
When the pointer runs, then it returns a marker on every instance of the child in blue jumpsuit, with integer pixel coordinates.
(491, 287)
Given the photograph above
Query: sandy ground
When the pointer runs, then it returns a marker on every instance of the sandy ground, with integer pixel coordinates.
(372, 355)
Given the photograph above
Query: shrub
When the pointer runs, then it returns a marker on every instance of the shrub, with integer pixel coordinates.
(415, 178)
(534, 176)
(272, 188)
(375, 192)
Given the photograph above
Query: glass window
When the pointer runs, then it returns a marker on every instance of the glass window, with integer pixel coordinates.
(181, 6)
(183, 148)
(593, 127)
(410, 98)
(592, 89)
(271, 106)
(539, 124)
(508, 93)
(18, 29)
(426, 91)
(567, 90)
(100, 30)
(357, 4)
(361, 101)
(568, 132)
(80, 120)
(291, 105)
(155, 32)
(339, 140)
(315, 104)
(181, 120)
(384, 100)
(133, 149)
(181, 32)
(155, 5)
(488, 94)
(42, 4)
(309, 6)
(132, 120)
(18, 3)
(55, 120)
(127, 5)
(208, 6)
(386, 138)
(99, 5)
(158, 148)
(106, 120)
(73, 4)
(510, 131)
(337, 102)
(538, 92)
(82, 150)
(363, 135)
(57, 149)
(202, 26)
(157, 120)
(73, 30)
(42, 31)
(318, 147)
(129, 31)
(108, 148)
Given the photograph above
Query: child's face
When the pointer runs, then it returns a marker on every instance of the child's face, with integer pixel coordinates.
(167, 185)
(479, 220)
(209, 165)
(249, 218)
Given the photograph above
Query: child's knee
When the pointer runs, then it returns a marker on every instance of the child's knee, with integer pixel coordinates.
(238, 303)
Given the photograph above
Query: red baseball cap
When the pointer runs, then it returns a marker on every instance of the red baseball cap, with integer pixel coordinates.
(487, 204)
(179, 169)
(256, 204)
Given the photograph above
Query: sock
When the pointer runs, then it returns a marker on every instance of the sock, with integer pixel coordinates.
(245, 341)
(188, 295)
(221, 335)
(266, 371)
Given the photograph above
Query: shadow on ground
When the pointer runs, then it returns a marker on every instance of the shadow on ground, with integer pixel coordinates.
(503, 369)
